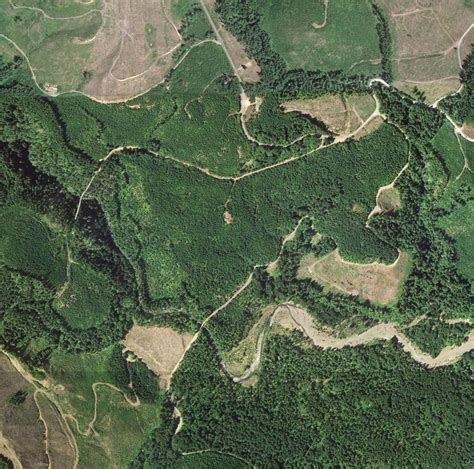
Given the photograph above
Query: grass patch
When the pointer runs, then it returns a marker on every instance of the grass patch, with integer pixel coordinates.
(446, 143)
(28, 245)
(298, 33)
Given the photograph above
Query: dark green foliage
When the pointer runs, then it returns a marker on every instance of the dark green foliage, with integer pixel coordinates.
(272, 125)
(209, 460)
(385, 42)
(118, 369)
(144, 382)
(157, 451)
(432, 335)
(365, 406)
(243, 20)
(460, 106)
(5, 463)
(18, 398)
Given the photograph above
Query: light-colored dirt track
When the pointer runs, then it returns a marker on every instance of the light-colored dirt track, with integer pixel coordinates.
(292, 317)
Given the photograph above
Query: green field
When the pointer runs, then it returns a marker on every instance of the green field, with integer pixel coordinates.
(447, 144)
(29, 246)
(47, 42)
(348, 37)
(60, 8)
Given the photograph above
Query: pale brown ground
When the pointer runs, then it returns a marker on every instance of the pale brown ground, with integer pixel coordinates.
(247, 69)
(375, 282)
(389, 199)
(468, 130)
(341, 115)
(293, 317)
(160, 348)
(21, 421)
(61, 451)
(240, 358)
(427, 37)
(121, 61)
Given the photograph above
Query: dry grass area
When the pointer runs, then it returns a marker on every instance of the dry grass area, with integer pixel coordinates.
(160, 348)
(21, 430)
(389, 199)
(240, 358)
(375, 282)
(247, 68)
(61, 451)
(426, 42)
(340, 114)
(133, 50)
(468, 130)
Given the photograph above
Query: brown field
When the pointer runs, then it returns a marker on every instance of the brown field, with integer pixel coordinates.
(247, 69)
(160, 348)
(61, 449)
(122, 62)
(468, 130)
(375, 282)
(240, 358)
(426, 41)
(20, 421)
(341, 115)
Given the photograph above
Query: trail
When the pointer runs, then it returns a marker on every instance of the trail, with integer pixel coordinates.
(42, 12)
(221, 41)
(321, 25)
(90, 426)
(242, 287)
(290, 316)
(466, 166)
(102, 161)
(378, 208)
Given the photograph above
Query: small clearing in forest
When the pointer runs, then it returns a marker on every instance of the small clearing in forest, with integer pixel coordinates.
(160, 348)
(375, 282)
(340, 114)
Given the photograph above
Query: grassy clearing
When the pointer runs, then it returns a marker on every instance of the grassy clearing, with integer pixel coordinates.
(389, 199)
(74, 375)
(297, 32)
(47, 42)
(87, 299)
(61, 8)
(120, 431)
(379, 284)
(446, 143)
(28, 245)
(339, 113)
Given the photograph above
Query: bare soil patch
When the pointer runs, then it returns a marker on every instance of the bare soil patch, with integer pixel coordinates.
(375, 282)
(427, 38)
(389, 199)
(160, 348)
(22, 420)
(122, 61)
(468, 130)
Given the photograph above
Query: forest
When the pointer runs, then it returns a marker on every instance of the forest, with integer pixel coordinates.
(157, 210)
